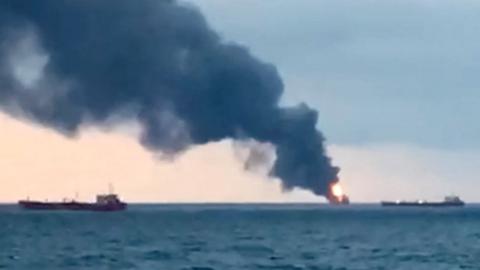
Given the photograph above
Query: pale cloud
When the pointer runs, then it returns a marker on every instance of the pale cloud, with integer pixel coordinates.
(42, 164)
(397, 97)
(377, 71)
(28, 59)
(401, 171)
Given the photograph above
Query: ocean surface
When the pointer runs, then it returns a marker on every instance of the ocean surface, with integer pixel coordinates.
(221, 237)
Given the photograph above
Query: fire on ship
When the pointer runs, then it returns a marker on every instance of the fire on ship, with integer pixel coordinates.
(336, 194)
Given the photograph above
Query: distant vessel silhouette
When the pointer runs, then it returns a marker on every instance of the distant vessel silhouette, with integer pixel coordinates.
(448, 201)
(104, 202)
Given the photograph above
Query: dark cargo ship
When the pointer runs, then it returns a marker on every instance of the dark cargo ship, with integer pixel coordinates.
(449, 201)
(106, 202)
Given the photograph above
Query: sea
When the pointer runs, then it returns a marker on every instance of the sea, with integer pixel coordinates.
(242, 236)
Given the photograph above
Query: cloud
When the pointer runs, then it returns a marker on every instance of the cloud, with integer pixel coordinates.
(375, 172)
(159, 63)
(28, 61)
(379, 71)
(59, 167)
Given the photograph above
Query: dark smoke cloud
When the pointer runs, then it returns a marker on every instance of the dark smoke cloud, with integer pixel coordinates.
(157, 62)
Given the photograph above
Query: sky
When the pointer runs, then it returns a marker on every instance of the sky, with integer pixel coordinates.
(394, 83)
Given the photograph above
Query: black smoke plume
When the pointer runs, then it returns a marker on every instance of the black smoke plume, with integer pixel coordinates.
(158, 62)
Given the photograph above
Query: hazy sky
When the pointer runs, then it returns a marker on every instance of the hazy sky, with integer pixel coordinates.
(394, 81)
(378, 71)
(396, 84)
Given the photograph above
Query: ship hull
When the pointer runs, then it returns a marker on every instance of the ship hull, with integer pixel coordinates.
(424, 204)
(72, 206)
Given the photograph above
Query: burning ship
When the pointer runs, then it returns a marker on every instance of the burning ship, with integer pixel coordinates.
(336, 194)
(105, 202)
(448, 201)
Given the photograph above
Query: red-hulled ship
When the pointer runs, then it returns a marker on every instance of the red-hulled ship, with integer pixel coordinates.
(105, 202)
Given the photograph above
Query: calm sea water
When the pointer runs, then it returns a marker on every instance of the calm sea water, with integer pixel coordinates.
(223, 237)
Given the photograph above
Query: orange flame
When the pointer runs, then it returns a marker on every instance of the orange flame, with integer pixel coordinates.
(337, 190)
(337, 195)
